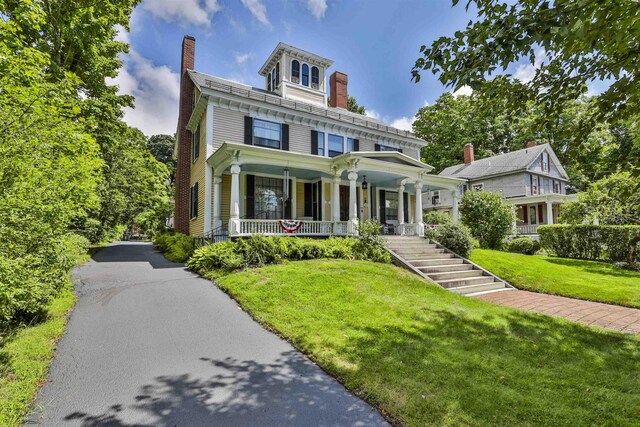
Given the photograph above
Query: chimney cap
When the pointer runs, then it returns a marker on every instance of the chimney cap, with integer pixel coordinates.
(187, 36)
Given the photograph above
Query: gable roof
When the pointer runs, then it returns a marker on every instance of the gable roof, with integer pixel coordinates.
(502, 164)
(206, 81)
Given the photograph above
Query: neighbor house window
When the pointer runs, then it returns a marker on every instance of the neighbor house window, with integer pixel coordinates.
(305, 75)
(336, 145)
(193, 205)
(268, 198)
(295, 71)
(195, 144)
(556, 187)
(545, 162)
(534, 184)
(478, 187)
(532, 215)
(266, 134)
(321, 150)
(315, 77)
(435, 198)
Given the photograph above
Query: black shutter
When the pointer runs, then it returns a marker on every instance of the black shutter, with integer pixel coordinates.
(383, 214)
(377, 147)
(196, 204)
(250, 206)
(405, 198)
(308, 199)
(314, 142)
(285, 137)
(248, 130)
(356, 145)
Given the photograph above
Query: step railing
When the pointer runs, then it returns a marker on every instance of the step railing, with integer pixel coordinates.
(406, 229)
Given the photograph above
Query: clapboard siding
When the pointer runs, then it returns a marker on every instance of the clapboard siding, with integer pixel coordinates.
(228, 126)
(300, 139)
(226, 199)
(196, 226)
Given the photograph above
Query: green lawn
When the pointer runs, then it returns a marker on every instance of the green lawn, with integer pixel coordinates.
(590, 280)
(25, 354)
(425, 356)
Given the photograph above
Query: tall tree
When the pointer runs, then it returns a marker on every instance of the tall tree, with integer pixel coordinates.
(352, 105)
(569, 42)
(161, 147)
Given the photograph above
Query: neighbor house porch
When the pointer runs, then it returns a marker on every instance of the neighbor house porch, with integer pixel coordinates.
(533, 211)
(257, 190)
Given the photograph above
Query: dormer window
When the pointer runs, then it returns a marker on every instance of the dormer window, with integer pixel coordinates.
(269, 82)
(295, 71)
(315, 77)
(305, 75)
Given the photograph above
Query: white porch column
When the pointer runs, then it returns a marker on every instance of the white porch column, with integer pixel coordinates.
(418, 214)
(401, 204)
(352, 227)
(549, 212)
(234, 221)
(335, 205)
(454, 206)
(217, 201)
(208, 180)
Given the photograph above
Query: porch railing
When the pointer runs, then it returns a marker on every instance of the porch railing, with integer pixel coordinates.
(308, 228)
(527, 229)
(406, 229)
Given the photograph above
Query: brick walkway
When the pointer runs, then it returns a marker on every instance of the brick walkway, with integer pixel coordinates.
(605, 316)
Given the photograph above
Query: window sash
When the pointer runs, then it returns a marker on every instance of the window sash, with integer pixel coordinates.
(321, 150)
(305, 75)
(267, 134)
(336, 145)
(350, 145)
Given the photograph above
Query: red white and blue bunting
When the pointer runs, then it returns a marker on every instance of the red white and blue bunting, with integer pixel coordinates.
(290, 225)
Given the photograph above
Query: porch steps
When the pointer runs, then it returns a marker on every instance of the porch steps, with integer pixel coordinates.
(437, 264)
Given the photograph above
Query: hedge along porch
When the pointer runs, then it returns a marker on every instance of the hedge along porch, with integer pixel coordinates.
(325, 195)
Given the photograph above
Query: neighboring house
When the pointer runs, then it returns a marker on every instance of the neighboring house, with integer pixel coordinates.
(250, 158)
(532, 179)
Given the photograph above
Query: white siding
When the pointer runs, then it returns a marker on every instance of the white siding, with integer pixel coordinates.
(300, 139)
(227, 126)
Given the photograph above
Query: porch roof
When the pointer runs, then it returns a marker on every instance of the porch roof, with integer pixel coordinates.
(542, 198)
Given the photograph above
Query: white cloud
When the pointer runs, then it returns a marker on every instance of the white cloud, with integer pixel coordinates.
(156, 90)
(526, 72)
(373, 114)
(317, 8)
(197, 12)
(242, 58)
(258, 10)
(403, 123)
(123, 35)
(464, 90)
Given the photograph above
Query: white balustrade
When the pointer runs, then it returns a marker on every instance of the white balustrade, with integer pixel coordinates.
(527, 229)
(307, 228)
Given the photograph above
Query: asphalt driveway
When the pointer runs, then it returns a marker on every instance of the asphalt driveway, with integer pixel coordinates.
(152, 344)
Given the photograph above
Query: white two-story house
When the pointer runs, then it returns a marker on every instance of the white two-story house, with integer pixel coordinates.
(282, 160)
(532, 179)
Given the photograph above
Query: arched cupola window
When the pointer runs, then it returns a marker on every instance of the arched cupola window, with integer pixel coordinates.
(273, 79)
(295, 71)
(315, 77)
(277, 74)
(269, 82)
(305, 75)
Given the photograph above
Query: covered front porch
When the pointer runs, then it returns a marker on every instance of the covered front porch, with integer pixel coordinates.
(257, 190)
(533, 211)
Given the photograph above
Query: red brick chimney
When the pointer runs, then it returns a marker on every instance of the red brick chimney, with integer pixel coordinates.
(183, 170)
(338, 90)
(468, 153)
(531, 144)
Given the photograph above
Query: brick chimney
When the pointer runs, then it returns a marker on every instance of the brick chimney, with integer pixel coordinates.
(468, 153)
(531, 144)
(338, 90)
(183, 170)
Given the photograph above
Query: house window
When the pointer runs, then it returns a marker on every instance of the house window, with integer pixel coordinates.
(478, 187)
(545, 162)
(387, 148)
(277, 75)
(268, 198)
(336, 145)
(266, 134)
(269, 82)
(315, 77)
(195, 144)
(351, 145)
(193, 205)
(273, 79)
(464, 188)
(295, 71)
(305, 75)
(321, 150)
(534, 184)
(532, 215)
(435, 198)
(556, 187)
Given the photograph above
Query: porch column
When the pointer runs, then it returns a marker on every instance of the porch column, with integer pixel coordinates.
(234, 221)
(217, 201)
(352, 227)
(208, 180)
(549, 212)
(454, 206)
(335, 205)
(418, 214)
(401, 204)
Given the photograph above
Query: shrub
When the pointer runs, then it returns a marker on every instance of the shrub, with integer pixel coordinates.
(369, 244)
(218, 256)
(259, 250)
(587, 241)
(176, 247)
(489, 216)
(523, 245)
(455, 237)
(437, 218)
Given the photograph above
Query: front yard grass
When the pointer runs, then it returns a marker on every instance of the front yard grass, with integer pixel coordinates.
(25, 355)
(425, 356)
(589, 280)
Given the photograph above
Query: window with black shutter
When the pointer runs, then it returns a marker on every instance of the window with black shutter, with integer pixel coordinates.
(193, 208)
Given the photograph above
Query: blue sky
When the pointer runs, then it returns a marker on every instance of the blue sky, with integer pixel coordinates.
(375, 42)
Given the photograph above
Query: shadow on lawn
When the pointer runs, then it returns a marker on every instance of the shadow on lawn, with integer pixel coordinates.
(290, 391)
(527, 370)
(596, 267)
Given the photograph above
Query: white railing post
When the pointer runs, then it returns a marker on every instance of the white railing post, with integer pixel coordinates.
(419, 227)
(401, 209)
(234, 221)
(352, 227)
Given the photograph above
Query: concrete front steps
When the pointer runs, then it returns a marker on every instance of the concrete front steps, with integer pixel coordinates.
(443, 267)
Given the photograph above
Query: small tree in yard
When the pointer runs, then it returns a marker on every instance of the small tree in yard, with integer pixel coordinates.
(489, 216)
